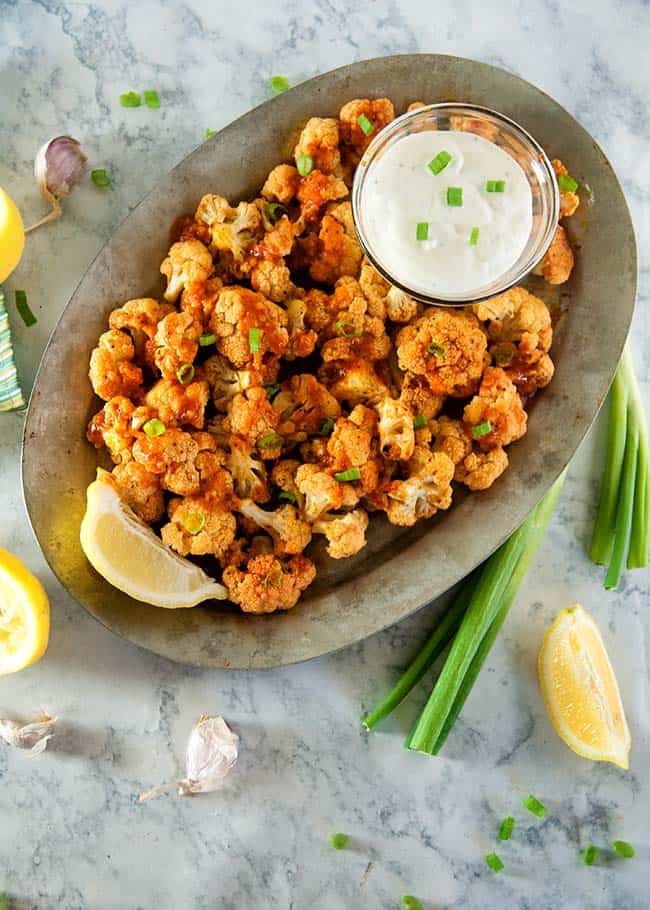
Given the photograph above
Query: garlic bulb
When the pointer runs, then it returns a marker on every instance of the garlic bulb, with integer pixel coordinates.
(58, 167)
(211, 755)
(33, 736)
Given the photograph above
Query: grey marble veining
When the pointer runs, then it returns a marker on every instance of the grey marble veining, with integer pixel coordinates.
(71, 833)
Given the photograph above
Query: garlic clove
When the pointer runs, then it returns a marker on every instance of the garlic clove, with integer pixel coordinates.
(33, 736)
(58, 167)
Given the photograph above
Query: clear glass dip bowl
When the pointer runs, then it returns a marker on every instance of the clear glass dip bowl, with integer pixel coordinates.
(511, 138)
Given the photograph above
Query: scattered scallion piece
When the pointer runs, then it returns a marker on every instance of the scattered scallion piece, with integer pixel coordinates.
(623, 848)
(209, 132)
(506, 828)
(287, 496)
(419, 421)
(271, 389)
(194, 522)
(422, 230)
(473, 237)
(535, 806)
(327, 427)
(411, 903)
(481, 429)
(435, 348)
(499, 186)
(207, 339)
(270, 441)
(4, 904)
(440, 162)
(151, 98)
(366, 124)
(494, 862)
(24, 309)
(254, 340)
(305, 165)
(347, 329)
(590, 855)
(346, 476)
(100, 178)
(340, 841)
(185, 373)
(130, 99)
(278, 84)
(568, 183)
(154, 427)
(454, 195)
(490, 186)
(276, 210)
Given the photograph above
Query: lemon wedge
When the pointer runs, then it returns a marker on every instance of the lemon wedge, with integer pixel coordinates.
(580, 689)
(24, 615)
(12, 236)
(127, 553)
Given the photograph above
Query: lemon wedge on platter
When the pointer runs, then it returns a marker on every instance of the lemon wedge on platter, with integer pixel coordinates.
(12, 236)
(127, 553)
(24, 615)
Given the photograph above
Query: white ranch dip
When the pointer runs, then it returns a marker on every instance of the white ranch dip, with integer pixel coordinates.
(401, 192)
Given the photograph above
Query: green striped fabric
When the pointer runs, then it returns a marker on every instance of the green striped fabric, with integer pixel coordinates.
(11, 396)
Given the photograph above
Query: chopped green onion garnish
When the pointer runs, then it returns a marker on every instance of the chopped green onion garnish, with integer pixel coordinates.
(440, 162)
(567, 182)
(278, 84)
(411, 903)
(422, 230)
(438, 349)
(154, 427)
(305, 165)
(151, 98)
(100, 178)
(419, 421)
(531, 802)
(454, 195)
(206, 340)
(340, 841)
(254, 340)
(623, 848)
(490, 186)
(504, 355)
(130, 99)
(23, 308)
(590, 854)
(506, 828)
(209, 132)
(271, 389)
(347, 329)
(276, 210)
(482, 429)
(350, 474)
(270, 441)
(327, 427)
(185, 373)
(286, 496)
(494, 862)
(473, 237)
(194, 522)
(4, 905)
(499, 186)
(366, 124)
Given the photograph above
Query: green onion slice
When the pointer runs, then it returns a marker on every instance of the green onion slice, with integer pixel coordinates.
(422, 230)
(499, 186)
(590, 855)
(482, 429)
(206, 340)
(504, 355)
(276, 210)
(473, 237)
(305, 165)
(454, 195)
(366, 124)
(130, 99)
(350, 474)
(194, 522)
(494, 862)
(151, 98)
(532, 803)
(506, 828)
(100, 178)
(24, 309)
(271, 389)
(347, 329)
(327, 427)
(419, 422)
(209, 132)
(340, 841)
(411, 903)
(438, 349)
(154, 427)
(254, 340)
(270, 441)
(490, 186)
(278, 84)
(623, 848)
(440, 162)
(568, 183)
(185, 373)
(286, 496)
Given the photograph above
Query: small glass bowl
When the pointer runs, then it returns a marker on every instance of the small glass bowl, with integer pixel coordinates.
(511, 138)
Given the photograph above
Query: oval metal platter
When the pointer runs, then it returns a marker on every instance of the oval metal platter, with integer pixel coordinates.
(400, 570)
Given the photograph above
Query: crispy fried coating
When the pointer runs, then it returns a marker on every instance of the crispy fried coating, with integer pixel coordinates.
(179, 404)
(353, 381)
(452, 438)
(272, 279)
(303, 405)
(267, 584)
(416, 394)
(199, 526)
(336, 251)
(498, 409)
(173, 456)
(117, 426)
(112, 371)
(282, 184)
(558, 261)
(239, 310)
(479, 470)
(140, 489)
(346, 533)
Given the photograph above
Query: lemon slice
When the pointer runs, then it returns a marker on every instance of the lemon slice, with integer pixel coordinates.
(128, 554)
(12, 236)
(24, 615)
(580, 689)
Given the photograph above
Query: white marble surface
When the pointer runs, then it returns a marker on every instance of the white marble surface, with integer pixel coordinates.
(71, 833)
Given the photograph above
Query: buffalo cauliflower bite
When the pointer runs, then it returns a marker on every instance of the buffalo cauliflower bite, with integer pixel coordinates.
(283, 476)
(289, 532)
(239, 311)
(416, 394)
(336, 251)
(199, 297)
(346, 534)
(251, 416)
(320, 492)
(400, 307)
(396, 430)
(248, 472)
(267, 584)
(225, 381)
(302, 340)
(139, 317)
(233, 230)
(495, 417)
(315, 191)
(173, 456)
(117, 426)
(303, 405)
(569, 200)
(375, 289)
(446, 346)
(176, 343)
(178, 404)
(140, 489)
(479, 470)
(353, 380)
(282, 184)
(378, 112)
(320, 141)
(426, 489)
(452, 438)
(186, 261)
(558, 261)
(112, 372)
(199, 526)
(273, 279)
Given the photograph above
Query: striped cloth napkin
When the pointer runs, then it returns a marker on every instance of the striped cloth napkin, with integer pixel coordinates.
(11, 396)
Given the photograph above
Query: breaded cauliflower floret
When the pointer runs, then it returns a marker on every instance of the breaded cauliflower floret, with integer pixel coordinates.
(277, 242)
(283, 476)
(232, 230)
(452, 438)
(416, 394)
(282, 184)
(302, 340)
(416, 105)
(400, 307)
(569, 200)
(315, 191)
(267, 584)
(178, 404)
(199, 526)
(237, 312)
(273, 279)
(351, 332)
(111, 370)
(558, 261)
(199, 297)
(495, 417)
(289, 532)
(173, 456)
(320, 492)
(396, 431)
(140, 489)
(352, 445)
(479, 470)
(215, 482)
(252, 417)
(353, 380)
(303, 405)
(177, 343)
(337, 251)
(426, 489)
(186, 261)
(248, 472)
(378, 113)
(225, 381)
(374, 288)
(116, 426)
(346, 534)
(446, 346)
(320, 141)
(139, 317)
